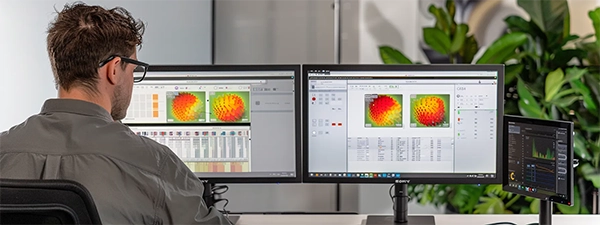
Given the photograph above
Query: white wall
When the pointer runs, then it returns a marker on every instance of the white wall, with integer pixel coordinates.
(273, 31)
(387, 22)
(581, 24)
(26, 78)
(177, 32)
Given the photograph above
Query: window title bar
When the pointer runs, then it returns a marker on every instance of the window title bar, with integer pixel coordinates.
(404, 73)
(202, 74)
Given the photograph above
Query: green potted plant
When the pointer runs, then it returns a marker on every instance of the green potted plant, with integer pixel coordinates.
(550, 74)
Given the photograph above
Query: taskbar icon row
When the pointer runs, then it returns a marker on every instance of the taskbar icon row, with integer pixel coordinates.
(356, 175)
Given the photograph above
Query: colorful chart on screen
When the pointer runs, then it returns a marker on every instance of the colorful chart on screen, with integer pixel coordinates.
(229, 107)
(383, 110)
(186, 107)
(430, 110)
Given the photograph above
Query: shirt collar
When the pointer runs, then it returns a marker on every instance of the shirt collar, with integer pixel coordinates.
(75, 107)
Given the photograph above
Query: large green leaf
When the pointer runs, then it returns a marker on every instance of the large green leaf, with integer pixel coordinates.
(459, 37)
(497, 190)
(566, 25)
(580, 148)
(548, 15)
(437, 39)
(528, 106)
(554, 82)
(441, 17)
(566, 101)
(471, 196)
(390, 55)
(593, 129)
(564, 93)
(535, 206)
(511, 72)
(427, 196)
(489, 205)
(591, 174)
(518, 24)
(592, 100)
(588, 101)
(595, 147)
(469, 49)
(451, 7)
(569, 38)
(595, 16)
(502, 48)
(574, 73)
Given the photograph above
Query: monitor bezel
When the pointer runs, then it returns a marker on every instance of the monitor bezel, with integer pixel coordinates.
(499, 68)
(251, 68)
(570, 171)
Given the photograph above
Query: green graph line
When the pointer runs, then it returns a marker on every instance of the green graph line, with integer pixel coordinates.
(549, 154)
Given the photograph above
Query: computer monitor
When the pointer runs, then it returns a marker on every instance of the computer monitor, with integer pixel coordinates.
(401, 124)
(227, 123)
(539, 161)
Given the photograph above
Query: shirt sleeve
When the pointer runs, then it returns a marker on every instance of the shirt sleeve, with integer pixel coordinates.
(182, 202)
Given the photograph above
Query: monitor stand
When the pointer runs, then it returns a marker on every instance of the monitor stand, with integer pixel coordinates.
(209, 199)
(400, 216)
(545, 212)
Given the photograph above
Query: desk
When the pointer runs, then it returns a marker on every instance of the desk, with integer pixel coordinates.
(439, 219)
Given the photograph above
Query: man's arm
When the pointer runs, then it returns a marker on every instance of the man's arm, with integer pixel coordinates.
(182, 202)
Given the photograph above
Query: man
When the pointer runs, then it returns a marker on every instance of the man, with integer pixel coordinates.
(132, 179)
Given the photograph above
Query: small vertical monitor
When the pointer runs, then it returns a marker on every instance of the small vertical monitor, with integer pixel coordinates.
(227, 123)
(539, 158)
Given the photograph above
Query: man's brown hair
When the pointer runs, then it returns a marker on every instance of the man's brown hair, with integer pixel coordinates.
(82, 36)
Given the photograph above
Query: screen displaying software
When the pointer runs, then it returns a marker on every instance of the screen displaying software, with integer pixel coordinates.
(221, 124)
(537, 159)
(394, 124)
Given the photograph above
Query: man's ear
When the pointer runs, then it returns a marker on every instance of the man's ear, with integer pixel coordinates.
(111, 70)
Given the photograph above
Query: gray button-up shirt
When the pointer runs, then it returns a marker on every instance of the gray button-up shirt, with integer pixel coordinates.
(133, 179)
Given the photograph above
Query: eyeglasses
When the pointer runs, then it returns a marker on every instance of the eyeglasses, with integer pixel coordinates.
(138, 73)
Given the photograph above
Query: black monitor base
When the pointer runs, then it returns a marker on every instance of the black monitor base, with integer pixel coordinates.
(400, 207)
(411, 220)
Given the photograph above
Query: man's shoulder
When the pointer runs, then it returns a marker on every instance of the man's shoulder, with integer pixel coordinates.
(134, 143)
(94, 137)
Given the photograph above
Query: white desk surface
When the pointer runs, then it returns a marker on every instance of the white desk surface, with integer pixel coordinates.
(439, 219)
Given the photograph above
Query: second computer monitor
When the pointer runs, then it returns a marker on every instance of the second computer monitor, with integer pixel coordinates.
(403, 123)
(228, 124)
(539, 158)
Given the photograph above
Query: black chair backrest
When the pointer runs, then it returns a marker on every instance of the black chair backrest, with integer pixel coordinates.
(46, 202)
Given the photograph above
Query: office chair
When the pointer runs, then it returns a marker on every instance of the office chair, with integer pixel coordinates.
(46, 202)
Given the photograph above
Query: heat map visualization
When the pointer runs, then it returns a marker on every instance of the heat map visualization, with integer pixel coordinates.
(229, 107)
(186, 107)
(429, 110)
(383, 110)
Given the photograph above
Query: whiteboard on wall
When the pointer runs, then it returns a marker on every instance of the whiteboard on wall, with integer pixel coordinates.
(177, 32)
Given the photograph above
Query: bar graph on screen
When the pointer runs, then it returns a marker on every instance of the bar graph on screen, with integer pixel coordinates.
(205, 149)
